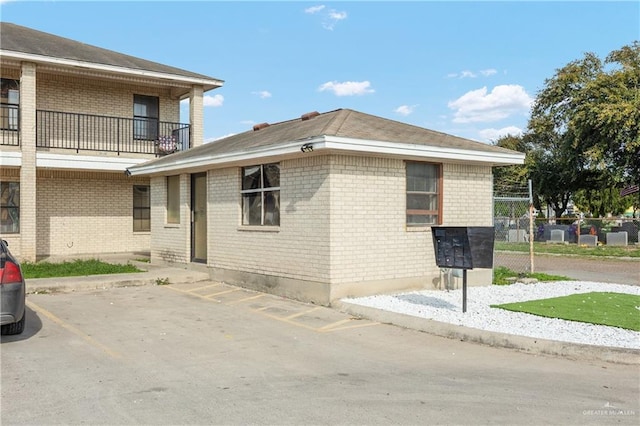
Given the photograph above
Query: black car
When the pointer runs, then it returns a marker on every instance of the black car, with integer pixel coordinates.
(12, 293)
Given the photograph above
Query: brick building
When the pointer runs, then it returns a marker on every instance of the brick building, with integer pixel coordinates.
(73, 118)
(322, 206)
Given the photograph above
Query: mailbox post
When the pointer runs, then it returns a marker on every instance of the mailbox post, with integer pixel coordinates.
(463, 247)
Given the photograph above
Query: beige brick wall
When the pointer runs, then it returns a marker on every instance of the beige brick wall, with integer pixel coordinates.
(343, 222)
(170, 243)
(70, 94)
(369, 237)
(468, 195)
(299, 249)
(87, 213)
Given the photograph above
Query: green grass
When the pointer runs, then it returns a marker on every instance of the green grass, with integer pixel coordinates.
(613, 309)
(501, 273)
(570, 249)
(74, 269)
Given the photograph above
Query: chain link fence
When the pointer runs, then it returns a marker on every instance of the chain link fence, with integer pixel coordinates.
(512, 221)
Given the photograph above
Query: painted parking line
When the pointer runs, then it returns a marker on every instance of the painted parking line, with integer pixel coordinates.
(93, 342)
(299, 314)
(221, 293)
(267, 311)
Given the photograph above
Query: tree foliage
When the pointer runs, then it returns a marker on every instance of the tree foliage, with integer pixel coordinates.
(583, 135)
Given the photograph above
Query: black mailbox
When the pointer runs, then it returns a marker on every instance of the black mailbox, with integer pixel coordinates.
(463, 247)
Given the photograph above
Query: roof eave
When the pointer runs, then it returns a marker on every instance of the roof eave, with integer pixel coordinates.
(208, 84)
(333, 144)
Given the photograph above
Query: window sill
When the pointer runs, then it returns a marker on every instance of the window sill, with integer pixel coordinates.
(425, 228)
(172, 225)
(257, 228)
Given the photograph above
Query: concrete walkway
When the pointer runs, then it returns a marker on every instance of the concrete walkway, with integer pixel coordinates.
(162, 275)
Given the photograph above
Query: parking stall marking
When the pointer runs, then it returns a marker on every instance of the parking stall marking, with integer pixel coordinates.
(274, 309)
(221, 293)
(62, 323)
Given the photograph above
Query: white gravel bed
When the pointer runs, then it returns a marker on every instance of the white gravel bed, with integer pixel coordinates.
(446, 306)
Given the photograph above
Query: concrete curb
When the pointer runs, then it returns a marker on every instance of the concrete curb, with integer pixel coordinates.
(520, 343)
(156, 276)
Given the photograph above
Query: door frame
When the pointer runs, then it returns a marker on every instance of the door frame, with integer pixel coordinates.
(194, 176)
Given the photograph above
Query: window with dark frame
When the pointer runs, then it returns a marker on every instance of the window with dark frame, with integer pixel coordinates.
(9, 104)
(424, 183)
(173, 199)
(261, 195)
(146, 112)
(9, 207)
(141, 208)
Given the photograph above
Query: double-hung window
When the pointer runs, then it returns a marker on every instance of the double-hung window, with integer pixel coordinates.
(9, 207)
(141, 208)
(261, 195)
(145, 117)
(424, 191)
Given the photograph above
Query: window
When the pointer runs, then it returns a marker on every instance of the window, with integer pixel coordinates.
(173, 199)
(424, 183)
(9, 207)
(10, 103)
(261, 195)
(141, 208)
(145, 117)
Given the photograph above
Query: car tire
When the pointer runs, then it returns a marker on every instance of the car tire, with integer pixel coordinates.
(15, 328)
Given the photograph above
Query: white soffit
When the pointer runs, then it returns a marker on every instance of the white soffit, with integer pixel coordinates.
(333, 143)
(416, 150)
(85, 162)
(71, 63)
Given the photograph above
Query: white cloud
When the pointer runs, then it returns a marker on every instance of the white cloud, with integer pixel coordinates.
(262, 93)
(314, 9)
(495, 134)
(405, 109)
(332, 18)
(329, 17)
(347, 88)
(212, 101)
(480, 106)
(470, 74)
(488, 72)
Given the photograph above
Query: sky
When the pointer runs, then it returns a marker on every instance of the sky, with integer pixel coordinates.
(470, 69)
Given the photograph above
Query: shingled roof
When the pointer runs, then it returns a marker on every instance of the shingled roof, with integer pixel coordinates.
(16, 39)
(368, 131)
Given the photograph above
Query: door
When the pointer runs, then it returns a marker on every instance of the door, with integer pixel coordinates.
(199, 217)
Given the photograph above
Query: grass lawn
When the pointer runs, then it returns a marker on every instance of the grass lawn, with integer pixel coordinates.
(74, 269)
(501, 273)
(613, 309)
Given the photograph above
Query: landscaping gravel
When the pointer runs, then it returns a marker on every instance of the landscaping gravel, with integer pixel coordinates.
(446, 306)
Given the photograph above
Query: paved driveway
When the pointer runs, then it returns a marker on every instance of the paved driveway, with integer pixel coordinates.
(206, 353)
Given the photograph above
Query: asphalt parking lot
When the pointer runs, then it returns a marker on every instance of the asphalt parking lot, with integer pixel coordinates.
(207, 353)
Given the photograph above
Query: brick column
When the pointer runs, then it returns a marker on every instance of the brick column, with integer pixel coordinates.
(196, 114)
(28, 169)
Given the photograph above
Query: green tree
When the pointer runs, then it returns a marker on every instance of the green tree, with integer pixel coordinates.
(584, 130)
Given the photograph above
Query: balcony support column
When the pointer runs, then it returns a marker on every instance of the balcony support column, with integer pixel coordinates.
(196, 116)
(28, 218)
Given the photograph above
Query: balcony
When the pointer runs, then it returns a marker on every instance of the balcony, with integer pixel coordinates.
(86, 132)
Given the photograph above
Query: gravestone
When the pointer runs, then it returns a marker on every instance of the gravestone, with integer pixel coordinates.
(518, 236)
(617, 238)
(557, 236)
(588, 240)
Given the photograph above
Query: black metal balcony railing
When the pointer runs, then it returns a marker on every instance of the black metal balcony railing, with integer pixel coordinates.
(9, 124)
(85, 132)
